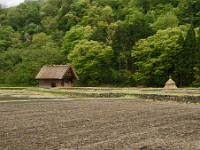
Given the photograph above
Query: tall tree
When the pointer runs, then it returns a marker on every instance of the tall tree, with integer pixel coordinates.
(125, 37)
(196, 68)
(165, 21)
(93, 62)
(154, 57)
(184, 66)
(189, 12)
(8, 38)
(24, 14)
(73, 36)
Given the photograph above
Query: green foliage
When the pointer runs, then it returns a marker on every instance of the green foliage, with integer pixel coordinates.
(32, 60)
(8, 38)
(189, 11)
(100, 32)
(20, 66)
(124, 38)
(154, 57)
(24, 14)
(196, 82)
(73, 36)
(117, 42)
(184, 67)
(93, 62)
(165, 21)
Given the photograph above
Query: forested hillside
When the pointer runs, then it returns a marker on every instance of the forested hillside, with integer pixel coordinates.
(109, 42)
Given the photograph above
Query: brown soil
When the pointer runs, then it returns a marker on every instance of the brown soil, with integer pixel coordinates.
(99, 124)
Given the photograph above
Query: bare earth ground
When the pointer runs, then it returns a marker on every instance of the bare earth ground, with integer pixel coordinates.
(99, 124)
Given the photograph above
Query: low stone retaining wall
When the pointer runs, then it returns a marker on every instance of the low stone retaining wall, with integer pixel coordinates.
(193, 99)
(97, 95)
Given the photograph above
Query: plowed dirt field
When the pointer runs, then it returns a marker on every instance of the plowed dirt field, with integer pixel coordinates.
(99, 125)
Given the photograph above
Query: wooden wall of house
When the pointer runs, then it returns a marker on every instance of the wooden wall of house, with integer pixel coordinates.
(54, 83)
(49, 83)
(67, 84)
(43, 83)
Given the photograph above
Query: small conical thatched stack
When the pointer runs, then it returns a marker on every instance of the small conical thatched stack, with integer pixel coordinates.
(170, 84)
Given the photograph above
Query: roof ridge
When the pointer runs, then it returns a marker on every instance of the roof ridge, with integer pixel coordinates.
(56, 65)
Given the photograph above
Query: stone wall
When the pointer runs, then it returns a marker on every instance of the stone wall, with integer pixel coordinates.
(181, 98)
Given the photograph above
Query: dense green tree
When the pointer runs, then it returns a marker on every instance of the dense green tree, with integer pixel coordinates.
(125, 37)
(41, 40)
(179, 61)
(3, 15)
(49, 23)
(154, 57)
(28, 32)
(165, 21)
(162, 9)
(50, 8)
(196, 69)
(24, 14)
(92, 17)
(107, 14)
(134, 14)
(100, 32)
(197, 53)
(93, 62)
(143, 4)
(32, 60)
(8, 60)
(185, 71)
(8, 38)
(20, 66)
(189, 11)
(73, 36)
(150, 17)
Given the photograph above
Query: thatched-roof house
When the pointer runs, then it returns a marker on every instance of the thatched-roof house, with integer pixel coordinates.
(57, 76)
(170, 84)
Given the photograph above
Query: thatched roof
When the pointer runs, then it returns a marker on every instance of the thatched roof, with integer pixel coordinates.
(170, 84)
(55, 72)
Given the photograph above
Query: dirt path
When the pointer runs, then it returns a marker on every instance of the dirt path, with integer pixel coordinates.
(99, 124)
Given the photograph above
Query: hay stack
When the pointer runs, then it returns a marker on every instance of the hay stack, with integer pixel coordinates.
(170, 84)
